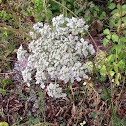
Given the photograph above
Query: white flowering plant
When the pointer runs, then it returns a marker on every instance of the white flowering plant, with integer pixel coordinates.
(57, 54)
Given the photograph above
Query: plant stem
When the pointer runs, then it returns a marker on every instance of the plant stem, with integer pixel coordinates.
(120, 94)
(45, 7)
(98, 80)
(98, 50)
(7, 28)
(65, 8)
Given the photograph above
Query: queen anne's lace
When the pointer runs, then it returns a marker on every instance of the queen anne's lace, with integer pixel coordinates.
(57, 53)
(21, 54)
(55, 91)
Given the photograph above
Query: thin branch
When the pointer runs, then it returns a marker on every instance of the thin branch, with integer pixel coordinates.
(8, 28)
(65, 8)
(98, 50)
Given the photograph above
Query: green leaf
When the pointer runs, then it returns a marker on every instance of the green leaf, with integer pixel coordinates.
(108, 37)
(111, 73)
(95, 14)
(102, 16)
(92, 115)
(104, 94)
(118, 6)
(8, 66)
(117, 81)
(105, 42)
(60, 118)
(123, 39)
(112, 6)
(124, 8)
(49, 13)
(62, 124)
(103, 70)
(121, 64)
(92, 105)
(70, 83)
(3, 91)
(118, 76)
(114, 11)
(90, 3)
(124, 19)
(111, 23)
(79, 11)
(5, 33)
(5, 82)
(120, 46)
(106, 31)
(113, 80)
(4, 124)
(117, 23)
(116, 67)
(96, 8)
(27, 38)
(115, 37)
(111, 58)
(104, 13)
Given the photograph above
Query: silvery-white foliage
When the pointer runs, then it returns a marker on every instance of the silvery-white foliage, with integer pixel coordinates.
(57, 52)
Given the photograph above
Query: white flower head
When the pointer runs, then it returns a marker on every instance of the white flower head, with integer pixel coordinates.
(26, 76)
(92, 5)
(55, 91)
(58, 51)
(86, 27)
(42, 85)
(21, 53)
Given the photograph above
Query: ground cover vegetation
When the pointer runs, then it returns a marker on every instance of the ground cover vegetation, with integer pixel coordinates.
(62, 63)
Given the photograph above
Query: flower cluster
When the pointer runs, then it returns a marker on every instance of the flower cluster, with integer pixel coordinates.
(55, 91)
(57, 54)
